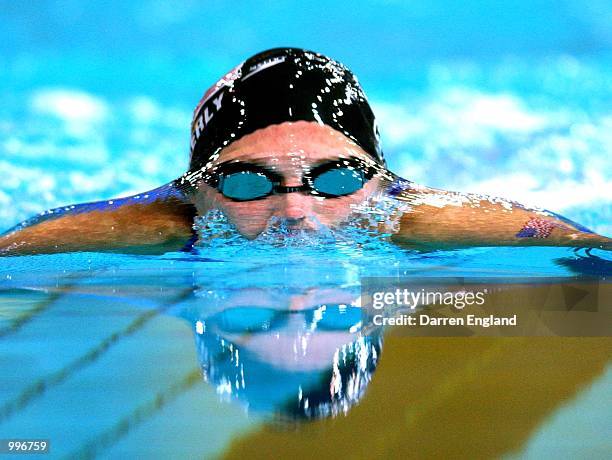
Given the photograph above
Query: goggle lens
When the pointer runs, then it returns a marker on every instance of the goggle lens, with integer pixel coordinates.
(244, 319)
(246, 185)
(339, 182)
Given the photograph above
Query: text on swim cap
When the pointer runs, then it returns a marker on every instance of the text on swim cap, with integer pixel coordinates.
(204, 117)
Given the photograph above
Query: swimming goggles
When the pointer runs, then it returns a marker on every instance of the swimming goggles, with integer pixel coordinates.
(240, 320)
(240, 181)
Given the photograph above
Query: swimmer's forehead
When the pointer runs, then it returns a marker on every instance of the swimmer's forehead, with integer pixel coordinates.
(307, 141)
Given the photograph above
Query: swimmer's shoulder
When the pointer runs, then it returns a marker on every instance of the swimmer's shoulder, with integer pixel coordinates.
(443, 219)
(152, 222)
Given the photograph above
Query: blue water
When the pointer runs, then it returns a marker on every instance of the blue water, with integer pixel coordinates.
(514, 101)
(508, 100)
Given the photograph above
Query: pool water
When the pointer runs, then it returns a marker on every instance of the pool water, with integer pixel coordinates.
(114, 355)
(117, 356)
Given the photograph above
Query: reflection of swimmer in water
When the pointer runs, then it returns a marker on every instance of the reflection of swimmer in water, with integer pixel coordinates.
(289, 135)
(290, 356)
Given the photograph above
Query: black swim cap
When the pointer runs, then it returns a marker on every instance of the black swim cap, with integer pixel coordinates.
(279, 85)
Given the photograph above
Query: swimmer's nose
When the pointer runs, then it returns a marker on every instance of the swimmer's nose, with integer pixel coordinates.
(295, 206)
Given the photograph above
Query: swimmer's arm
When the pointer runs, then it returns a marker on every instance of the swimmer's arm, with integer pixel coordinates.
(134, 226)
(470, 220)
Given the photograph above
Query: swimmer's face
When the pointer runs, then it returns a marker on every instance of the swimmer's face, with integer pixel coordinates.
(288, 149)
(302, 334)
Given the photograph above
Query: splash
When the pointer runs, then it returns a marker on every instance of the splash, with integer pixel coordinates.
(369, 226)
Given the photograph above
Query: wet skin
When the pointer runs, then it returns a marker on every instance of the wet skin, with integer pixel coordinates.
(278, 345)
(288, 149)
(434, 219)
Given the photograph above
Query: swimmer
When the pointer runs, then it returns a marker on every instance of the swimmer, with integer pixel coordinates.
(299, 355)
(288, 136)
